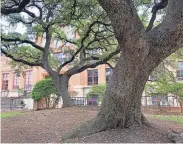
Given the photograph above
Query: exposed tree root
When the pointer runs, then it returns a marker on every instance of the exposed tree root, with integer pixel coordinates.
(97, 125)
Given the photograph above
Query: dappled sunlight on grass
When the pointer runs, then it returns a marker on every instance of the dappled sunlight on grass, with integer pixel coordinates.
(174, 118)
(10, 114)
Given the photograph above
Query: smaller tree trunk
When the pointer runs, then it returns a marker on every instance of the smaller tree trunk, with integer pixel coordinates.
(55, 101)
(46, 100)
(61, 83)
(181, 105)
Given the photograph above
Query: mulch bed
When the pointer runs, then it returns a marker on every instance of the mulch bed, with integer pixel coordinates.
(48, 126)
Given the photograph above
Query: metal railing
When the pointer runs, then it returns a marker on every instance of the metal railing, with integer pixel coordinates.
(84, 101)
(14, 100)
(163, 101)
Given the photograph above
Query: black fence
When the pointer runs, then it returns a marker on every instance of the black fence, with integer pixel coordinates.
(164, 101)
(84, 101)
(13, 102)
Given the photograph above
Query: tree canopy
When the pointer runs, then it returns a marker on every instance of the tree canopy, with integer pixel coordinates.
(78, 29)
(142, 48)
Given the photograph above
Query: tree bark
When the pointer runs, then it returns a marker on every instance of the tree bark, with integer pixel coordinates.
(121, 107)
(61, 83)
(122, 103)
(141, 52)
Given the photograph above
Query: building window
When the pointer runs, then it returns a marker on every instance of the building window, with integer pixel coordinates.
(180, 71)
(5, 81)
(108, 74)
(28, 80)
(92, 77)
(16, 81)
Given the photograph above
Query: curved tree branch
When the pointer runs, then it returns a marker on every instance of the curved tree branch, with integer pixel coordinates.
(82, 43)
(18, 9)
(110, 65)
(21, 60)
(23, 41)
(91, 64)
(167, 37)
(124, 19)
(155, 9)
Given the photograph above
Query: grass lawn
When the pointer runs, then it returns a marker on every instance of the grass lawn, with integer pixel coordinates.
(173, 118)
(10, 114)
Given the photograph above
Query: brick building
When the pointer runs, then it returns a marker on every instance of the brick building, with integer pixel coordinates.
(80, 83)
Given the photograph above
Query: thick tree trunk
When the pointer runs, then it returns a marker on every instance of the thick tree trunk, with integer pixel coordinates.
(61, 83)
(122, 103)
(121, 107)
(141, 52)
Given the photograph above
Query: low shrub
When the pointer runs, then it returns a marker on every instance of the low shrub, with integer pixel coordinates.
(43, 88)
(97, 91)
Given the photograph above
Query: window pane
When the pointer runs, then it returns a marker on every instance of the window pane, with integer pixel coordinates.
(179, 75)
(92, 77)
(5, 81)
(108, 74)
(16, 82)
(89, 73)
(180, 65)
(28, 80)
(95, 73)
(95, 80)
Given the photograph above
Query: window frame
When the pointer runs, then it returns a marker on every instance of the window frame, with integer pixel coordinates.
(107, 77)
(93, 77)
(179, 71)
(16, 81)
(5, 82)
(29, 82)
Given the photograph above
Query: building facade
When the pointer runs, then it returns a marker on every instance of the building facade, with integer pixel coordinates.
(79, 84)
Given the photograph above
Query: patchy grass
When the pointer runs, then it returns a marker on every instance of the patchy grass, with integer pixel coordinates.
(10, 114)
(174, 118)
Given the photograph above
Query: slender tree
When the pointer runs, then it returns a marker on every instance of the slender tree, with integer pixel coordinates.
(94, 43)
(141, 51)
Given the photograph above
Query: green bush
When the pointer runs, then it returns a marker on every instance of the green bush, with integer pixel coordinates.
(97, 91)
(43, 88)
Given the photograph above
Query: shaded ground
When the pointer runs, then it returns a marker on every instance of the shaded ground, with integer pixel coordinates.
(50, 125)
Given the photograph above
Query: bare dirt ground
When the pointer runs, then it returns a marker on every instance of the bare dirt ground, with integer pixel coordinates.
(48, 126)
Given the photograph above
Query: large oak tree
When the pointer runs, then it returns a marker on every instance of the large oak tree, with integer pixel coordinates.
(93, 45)
(142, 50)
